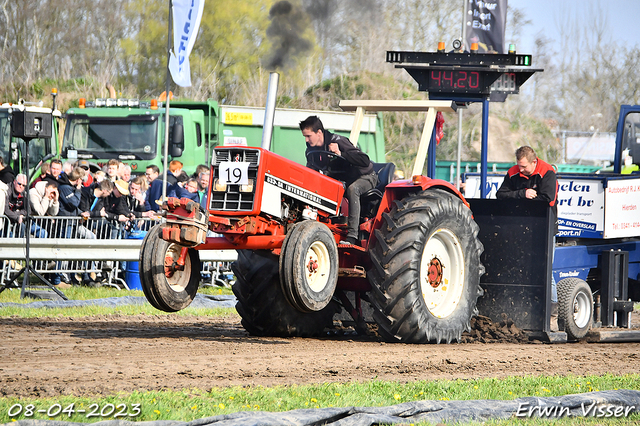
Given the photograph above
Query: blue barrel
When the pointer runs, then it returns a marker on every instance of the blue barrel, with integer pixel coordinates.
(132, 274)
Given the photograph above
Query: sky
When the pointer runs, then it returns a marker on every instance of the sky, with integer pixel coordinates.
(622, 19)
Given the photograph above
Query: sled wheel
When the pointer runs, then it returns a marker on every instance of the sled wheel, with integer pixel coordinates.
(575, 307)
(261, 304)
(426, 269)
(167, 287)
(309, 266)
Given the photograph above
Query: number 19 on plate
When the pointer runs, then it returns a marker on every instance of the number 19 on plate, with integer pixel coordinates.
(234, 173)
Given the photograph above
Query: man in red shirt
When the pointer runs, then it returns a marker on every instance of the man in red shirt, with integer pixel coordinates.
(533, 179)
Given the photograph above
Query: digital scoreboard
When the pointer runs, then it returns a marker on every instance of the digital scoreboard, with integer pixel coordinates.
(465, 76)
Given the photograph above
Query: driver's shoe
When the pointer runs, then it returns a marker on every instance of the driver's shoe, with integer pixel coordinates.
(350, 240)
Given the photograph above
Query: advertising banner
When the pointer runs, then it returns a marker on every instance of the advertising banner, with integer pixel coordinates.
(486, 22)
(580, 207)
(186, 22)
(622, 207)
(472, 185)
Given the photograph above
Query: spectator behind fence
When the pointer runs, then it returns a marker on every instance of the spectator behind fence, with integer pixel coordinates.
(55, 170)
(176, 174)
(154, 194)
(16, 210)
(199, 169)
(203, 187)
(88, 177)
(67, 167)
(125, 172)
(70, 189)
(93, 205)
(136, 201)
(44, 202)
(116, 207)
(113, 168)
(44, 199)
(6, 172)
(44, 170)
(189, 191)
(99, 176)
(93, 200)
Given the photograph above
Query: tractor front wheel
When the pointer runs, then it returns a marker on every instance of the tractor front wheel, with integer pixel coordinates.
(264, 309)
(168, 284)
(309, 266)
(426, 269)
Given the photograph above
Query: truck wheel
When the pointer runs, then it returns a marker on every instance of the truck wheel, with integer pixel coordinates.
(167, 288)
(426, 269)
(309, 266)
(261, 304)
(575, 307)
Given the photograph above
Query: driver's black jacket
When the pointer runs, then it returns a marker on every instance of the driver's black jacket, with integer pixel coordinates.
(351, 153)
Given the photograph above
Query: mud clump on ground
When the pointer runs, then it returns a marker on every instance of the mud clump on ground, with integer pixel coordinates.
(483, 330)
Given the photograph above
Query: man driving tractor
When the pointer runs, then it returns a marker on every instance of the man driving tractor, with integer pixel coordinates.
(358, 173)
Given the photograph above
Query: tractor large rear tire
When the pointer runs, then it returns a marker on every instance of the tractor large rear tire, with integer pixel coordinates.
(426, 269)
(167, 293)
(263, 308)
(575, 307)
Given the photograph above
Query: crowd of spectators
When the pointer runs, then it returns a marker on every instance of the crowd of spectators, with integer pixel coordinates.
(113, 198)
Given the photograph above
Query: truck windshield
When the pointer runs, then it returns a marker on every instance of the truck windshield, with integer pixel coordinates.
(132, 137)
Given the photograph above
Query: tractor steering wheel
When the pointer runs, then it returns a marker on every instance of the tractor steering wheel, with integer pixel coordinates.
(333, 165)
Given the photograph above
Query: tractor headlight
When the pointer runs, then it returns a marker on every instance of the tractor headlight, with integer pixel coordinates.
(248, 187)
(219, 187)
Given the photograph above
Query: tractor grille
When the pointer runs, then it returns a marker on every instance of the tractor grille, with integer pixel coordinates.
(232, 199)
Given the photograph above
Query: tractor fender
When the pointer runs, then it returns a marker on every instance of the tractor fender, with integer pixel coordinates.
(399, 189)
(421, 183)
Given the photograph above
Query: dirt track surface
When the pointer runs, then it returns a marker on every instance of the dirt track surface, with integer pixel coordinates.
(49, 357)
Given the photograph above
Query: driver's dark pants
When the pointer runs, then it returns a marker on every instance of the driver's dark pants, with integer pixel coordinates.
(354, 191)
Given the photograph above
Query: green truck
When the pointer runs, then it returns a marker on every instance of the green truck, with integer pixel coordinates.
(133, 132)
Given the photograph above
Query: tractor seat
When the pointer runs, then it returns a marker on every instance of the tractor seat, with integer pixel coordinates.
(385, 176)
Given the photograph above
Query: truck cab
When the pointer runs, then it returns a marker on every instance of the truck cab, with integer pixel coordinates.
(133, 132)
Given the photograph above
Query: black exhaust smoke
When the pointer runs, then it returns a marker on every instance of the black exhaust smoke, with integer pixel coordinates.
(288, 23)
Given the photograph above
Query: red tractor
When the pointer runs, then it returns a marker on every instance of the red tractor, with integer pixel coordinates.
(418, 264)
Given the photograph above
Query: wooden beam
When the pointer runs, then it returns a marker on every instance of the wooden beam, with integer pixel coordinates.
(357, 126)
(407, 105)
(427, 130)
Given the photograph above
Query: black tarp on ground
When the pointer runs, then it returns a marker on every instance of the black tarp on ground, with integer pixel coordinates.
(603, 405)
(200, 301)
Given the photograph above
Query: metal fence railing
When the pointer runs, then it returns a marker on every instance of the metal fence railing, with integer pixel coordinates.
(95, 249)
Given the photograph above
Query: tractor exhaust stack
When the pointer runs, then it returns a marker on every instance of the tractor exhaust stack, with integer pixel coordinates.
(270, 110)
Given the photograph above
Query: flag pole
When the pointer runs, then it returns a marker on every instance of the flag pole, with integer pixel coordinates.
(166, 108)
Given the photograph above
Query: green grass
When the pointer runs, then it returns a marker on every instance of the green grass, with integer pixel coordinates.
(88, 293)
(193, 404)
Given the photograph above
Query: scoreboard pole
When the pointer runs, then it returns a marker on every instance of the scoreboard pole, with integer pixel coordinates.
(484, 148)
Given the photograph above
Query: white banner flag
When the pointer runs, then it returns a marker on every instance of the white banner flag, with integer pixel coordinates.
(186, 21)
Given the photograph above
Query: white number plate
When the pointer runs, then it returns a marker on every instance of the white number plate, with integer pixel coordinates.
(234, 173)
